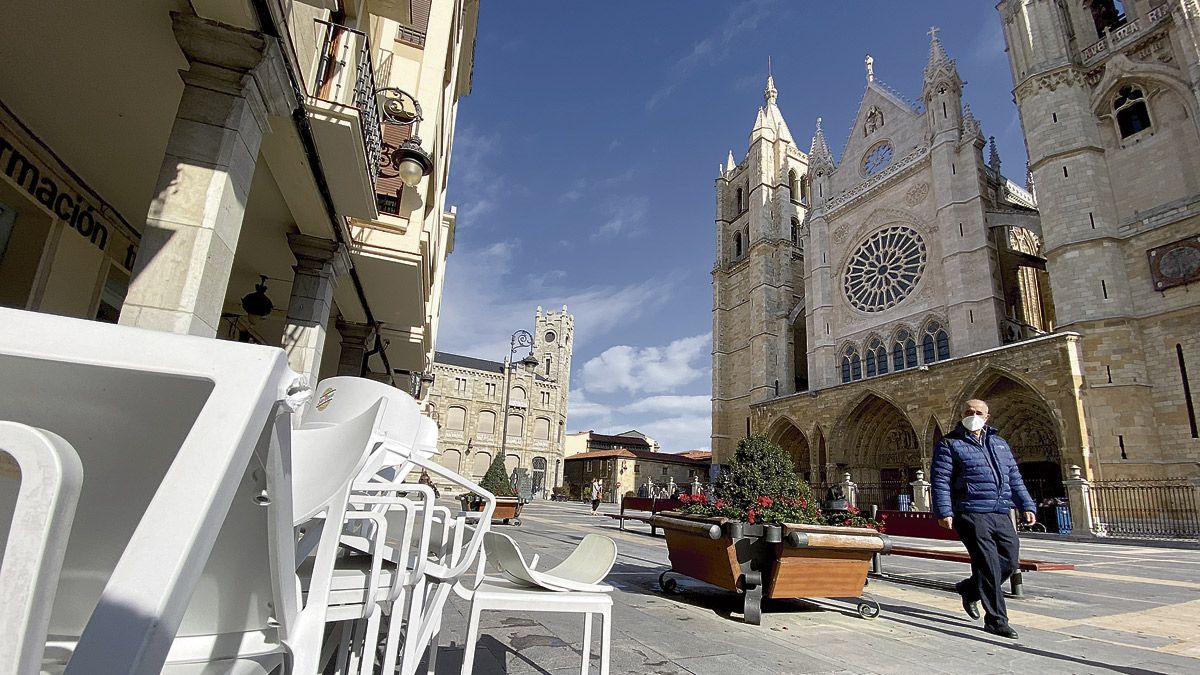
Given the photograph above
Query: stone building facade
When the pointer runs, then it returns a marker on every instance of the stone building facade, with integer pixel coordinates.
(468, 398)
(1108, 98)
(628, 471)
(858, 303)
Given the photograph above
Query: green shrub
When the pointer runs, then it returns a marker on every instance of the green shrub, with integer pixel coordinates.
(496, 479)
(759, 485)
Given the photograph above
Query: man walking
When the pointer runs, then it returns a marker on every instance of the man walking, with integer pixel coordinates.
(975, 484)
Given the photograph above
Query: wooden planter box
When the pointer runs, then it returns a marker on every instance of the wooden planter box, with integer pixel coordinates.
(789, 561)
(507, 508)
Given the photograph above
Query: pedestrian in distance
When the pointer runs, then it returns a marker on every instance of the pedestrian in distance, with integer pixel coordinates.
(975, 484)
(597, 489)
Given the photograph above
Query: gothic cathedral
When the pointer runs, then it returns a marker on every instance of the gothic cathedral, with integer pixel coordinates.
(858, 303)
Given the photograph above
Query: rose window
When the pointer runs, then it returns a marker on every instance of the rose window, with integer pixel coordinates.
(885, 269)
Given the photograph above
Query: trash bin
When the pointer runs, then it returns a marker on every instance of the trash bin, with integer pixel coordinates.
(1063, 514)
(904, 502)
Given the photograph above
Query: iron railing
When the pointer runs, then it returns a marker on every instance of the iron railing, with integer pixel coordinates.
(346, 52)
(886, 495)
(1145, 509)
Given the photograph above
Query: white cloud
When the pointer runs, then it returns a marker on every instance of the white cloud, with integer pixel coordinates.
(474, 176)
(684, 404)
(742, 20)
(624, 217)
(487, 299)
(649, 369)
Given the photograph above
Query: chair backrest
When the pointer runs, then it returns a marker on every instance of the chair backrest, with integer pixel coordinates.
(327, 458)
(166, 428)
(40, 480)
(338, 399)
(506, 556)
(590, 562)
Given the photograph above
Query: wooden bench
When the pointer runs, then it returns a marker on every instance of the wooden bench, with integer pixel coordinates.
(924, 525)
(648, 506)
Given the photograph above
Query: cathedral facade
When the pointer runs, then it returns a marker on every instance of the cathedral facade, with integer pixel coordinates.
(858, 303)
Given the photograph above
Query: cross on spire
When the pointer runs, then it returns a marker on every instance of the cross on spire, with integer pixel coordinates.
(933, 31)
(870, 68)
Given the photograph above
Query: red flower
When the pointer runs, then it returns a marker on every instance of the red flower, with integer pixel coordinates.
(720, 504)
(765, 501)
(750, 516)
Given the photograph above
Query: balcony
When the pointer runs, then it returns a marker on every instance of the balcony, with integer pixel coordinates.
(345, 119)
(1122, 32)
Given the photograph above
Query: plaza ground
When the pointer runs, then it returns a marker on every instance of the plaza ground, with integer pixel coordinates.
(1124, 609)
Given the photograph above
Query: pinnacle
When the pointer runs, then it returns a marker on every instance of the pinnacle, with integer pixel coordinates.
(940, 65)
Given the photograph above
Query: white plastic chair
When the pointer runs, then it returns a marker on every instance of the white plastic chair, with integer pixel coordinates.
(41, 492)
(178, 437)
(572, 586)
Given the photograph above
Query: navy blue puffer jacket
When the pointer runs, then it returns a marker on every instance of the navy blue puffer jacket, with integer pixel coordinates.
(972, 478)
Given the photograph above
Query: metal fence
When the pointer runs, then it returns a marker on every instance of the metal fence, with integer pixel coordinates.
(1145, 509)
(888, 495)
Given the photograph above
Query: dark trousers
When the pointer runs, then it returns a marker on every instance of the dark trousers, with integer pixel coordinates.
(992, 541)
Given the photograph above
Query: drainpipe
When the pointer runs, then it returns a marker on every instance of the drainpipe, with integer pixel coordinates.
(300, 116)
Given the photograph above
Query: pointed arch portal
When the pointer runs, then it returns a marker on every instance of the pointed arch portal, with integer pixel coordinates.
(880, 443)
(1024, 419)
(794, 442)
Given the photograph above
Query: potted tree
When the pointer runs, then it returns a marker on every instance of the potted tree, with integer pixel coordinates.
(508, 505)
(762, 533)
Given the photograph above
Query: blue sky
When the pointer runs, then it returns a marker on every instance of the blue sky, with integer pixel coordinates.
(586, 154)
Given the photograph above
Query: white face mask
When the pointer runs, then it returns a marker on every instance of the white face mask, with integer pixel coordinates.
(973, 422)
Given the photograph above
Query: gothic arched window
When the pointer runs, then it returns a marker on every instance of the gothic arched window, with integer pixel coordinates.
(851, 365)
(740, 203)
(804, 189)
(795, 231)
(737, 244)
(935, 344)
(794, 185)
(904, 351)
(1132, 114)
(877, 358)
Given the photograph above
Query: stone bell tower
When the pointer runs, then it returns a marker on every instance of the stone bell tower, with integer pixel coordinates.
(759, 344)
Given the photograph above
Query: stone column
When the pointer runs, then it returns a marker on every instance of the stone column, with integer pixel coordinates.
(357, 339)
(235, 80)
(1081, 507)
(318, 263)
(920, 493)
(850, 489)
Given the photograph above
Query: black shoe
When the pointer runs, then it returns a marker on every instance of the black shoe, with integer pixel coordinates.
(1002, 631)
(971, 607)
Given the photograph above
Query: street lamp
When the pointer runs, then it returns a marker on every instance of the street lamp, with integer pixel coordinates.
(521, 338)
(409, 160)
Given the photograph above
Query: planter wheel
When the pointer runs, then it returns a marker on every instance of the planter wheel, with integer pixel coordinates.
(516, 522)
(868, 608)
(667, 584)
(752, 600)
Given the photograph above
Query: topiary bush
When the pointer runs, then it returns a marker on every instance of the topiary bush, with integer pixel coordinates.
(496, 479)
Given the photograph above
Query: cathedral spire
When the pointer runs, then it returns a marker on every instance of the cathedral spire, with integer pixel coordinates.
(770, 93)
(730, 165)
(941, 69)
(819, 151)
(993, 155)
(970, 124)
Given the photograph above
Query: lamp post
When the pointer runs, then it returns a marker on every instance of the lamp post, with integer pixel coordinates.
(521, 338)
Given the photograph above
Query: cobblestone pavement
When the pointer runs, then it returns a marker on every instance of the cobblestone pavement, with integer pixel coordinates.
(1124, 609)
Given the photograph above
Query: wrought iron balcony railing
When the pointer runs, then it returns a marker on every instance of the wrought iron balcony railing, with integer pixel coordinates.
(346, 75)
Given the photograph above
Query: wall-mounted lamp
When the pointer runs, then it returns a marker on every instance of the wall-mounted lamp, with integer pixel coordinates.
(409, 160)
(257, 303)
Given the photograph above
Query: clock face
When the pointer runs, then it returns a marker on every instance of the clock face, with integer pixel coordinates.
(550, 336)
(878, 159)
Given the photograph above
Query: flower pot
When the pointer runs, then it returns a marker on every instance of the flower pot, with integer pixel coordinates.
(506, 512)
(788, 561)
